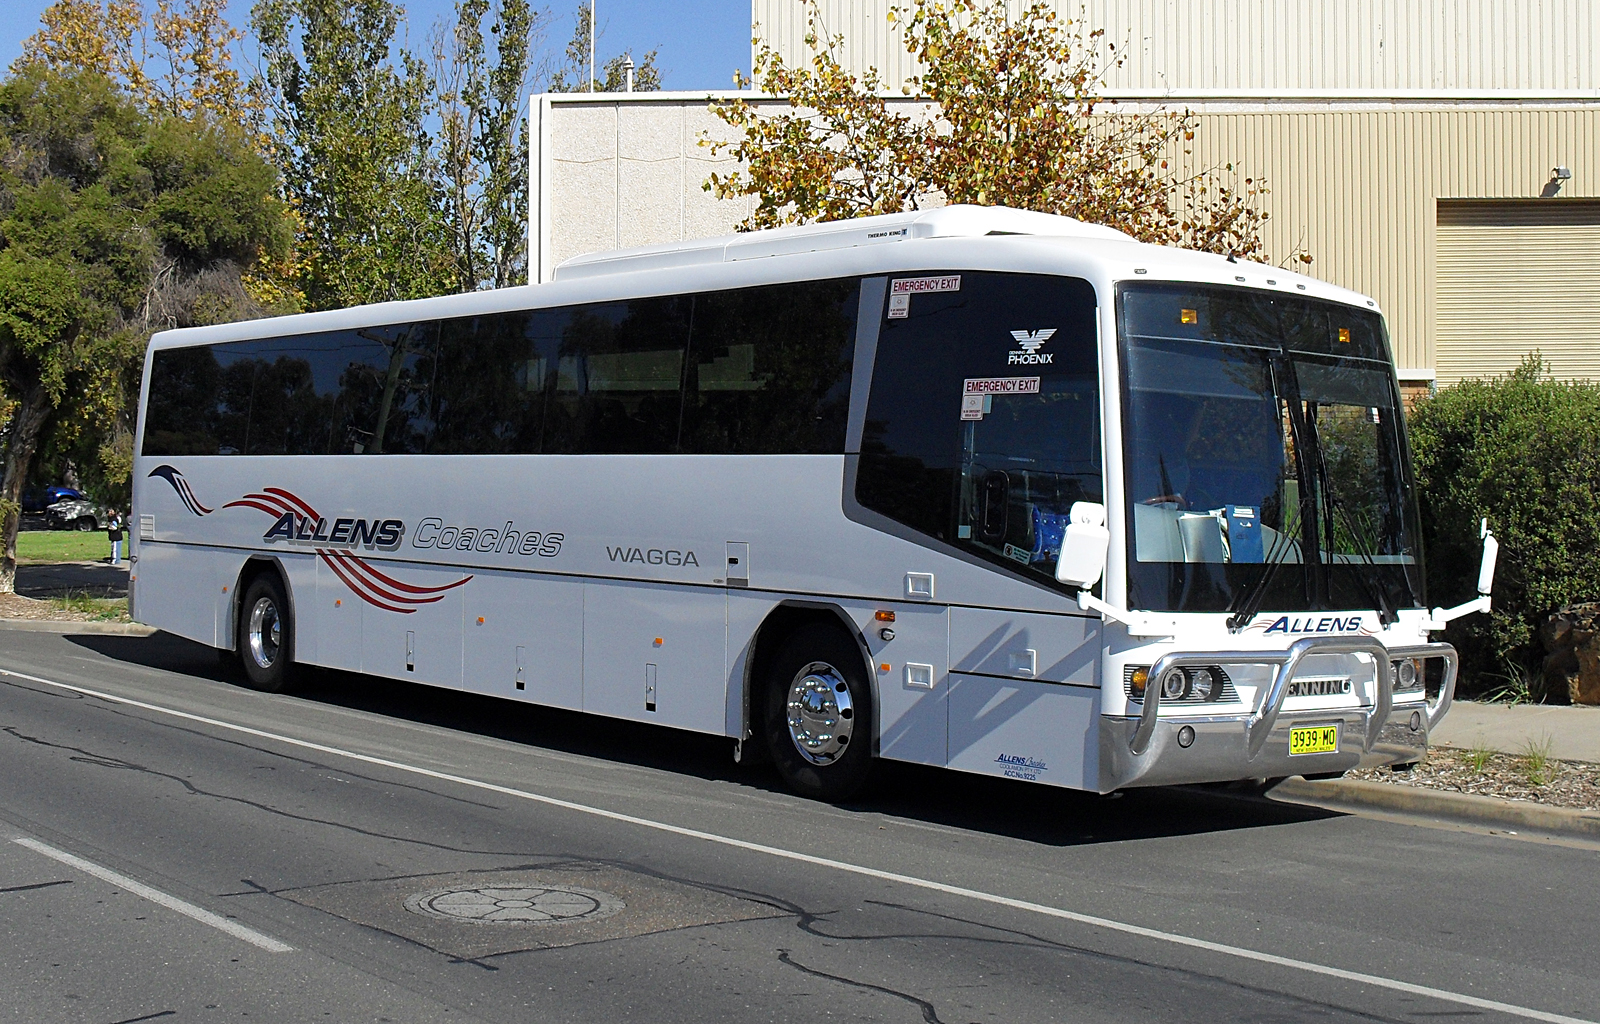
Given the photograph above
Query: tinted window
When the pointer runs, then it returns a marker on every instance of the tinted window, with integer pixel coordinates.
(338, 392)
(769, 372)
(770, 369)
(998, 473)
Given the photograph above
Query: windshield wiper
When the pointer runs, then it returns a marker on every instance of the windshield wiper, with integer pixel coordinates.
(1247, 602)
(1332, 509)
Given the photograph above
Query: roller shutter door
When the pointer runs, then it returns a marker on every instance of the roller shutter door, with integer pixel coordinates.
(1514, 277)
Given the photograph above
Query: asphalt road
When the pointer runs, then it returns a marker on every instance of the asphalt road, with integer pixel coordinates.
(165, 836)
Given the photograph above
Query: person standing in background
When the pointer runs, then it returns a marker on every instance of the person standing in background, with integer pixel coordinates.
(114, 533)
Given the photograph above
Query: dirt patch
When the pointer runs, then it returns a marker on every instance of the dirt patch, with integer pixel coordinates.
(1574, 784)
(15, 606)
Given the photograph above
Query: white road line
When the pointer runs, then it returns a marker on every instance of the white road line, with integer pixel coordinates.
(1376, 981)
(216, 921)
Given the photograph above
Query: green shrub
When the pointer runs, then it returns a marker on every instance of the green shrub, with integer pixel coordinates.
(1524, 451)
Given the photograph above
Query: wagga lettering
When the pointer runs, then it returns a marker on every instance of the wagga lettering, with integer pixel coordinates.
(652, 556)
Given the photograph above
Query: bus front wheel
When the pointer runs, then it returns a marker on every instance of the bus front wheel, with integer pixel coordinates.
(266, 635)
(819, 714)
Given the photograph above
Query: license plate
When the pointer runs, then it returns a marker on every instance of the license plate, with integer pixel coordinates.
(1314, 739)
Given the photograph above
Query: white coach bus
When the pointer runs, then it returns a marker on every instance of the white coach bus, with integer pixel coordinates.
(979, 488)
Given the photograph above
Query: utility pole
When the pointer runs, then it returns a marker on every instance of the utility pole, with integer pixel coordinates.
(591, 45)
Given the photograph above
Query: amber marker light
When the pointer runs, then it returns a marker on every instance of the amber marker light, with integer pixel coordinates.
(1344, 335)
(1189, 316)
(883, 616)
(657, 643)
(480, 620)
(884, 667)
(1136, 682)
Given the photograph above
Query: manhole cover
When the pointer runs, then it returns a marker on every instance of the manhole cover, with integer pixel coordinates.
(507, 904)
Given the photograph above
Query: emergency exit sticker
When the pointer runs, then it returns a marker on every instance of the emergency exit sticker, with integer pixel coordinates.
(901, 290)
(1001, 386)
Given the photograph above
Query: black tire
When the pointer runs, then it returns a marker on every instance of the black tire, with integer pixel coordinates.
(83, 524)
(819, 674)
(266, 635)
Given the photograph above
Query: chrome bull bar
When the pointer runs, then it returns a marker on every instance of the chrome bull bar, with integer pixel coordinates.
(1258, 726)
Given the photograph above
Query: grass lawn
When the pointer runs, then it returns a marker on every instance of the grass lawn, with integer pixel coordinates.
(64, 546)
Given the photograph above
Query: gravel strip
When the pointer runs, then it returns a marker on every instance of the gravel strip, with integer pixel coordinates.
(1574, 784)
(15, 606)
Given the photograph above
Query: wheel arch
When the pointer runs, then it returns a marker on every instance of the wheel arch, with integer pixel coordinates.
(784, 618)
(257, 565)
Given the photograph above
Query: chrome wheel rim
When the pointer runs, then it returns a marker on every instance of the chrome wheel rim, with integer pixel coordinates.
(820, 713)
(264, 632)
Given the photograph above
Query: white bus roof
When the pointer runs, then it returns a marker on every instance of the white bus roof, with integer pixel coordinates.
(893, 243)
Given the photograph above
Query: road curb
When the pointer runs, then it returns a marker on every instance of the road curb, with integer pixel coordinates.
(64, 626)
(1434, 803)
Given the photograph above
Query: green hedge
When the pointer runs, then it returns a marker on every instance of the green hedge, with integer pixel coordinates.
(1523, 450)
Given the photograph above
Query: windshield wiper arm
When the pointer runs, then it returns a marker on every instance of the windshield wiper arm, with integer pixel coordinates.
(1248, 600)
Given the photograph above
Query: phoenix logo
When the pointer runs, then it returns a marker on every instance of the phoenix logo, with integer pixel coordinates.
(1028, 345)
(179, 484)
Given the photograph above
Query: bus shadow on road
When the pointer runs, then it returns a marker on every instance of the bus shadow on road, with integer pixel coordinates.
(914, 793)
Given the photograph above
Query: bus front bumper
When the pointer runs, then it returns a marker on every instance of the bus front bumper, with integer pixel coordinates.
(1157, 749)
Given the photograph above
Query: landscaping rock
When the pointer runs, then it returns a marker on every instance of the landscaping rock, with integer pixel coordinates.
(1572, 666)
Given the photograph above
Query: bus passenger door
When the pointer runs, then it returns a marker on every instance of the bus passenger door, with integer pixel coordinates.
(1024, 696)
(913, 685)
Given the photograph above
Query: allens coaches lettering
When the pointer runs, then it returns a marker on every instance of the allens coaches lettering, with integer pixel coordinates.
(382, 535)
(433, 533)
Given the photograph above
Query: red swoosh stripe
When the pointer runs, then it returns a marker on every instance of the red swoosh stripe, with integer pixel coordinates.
(246, 503)
(373, 586)
(295, 500)
(408, 588)
(340, 572)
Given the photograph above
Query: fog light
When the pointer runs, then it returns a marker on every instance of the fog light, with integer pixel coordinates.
(1203, 683)
(1403, 673)
(1174, 684)
(1186, 736)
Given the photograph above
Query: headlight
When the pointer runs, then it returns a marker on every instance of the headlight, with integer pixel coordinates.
(1174, 684)
(1202, 683)
(1403, 674)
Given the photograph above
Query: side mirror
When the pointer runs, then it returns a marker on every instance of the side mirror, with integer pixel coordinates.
(1083, 546)
(1491, 552)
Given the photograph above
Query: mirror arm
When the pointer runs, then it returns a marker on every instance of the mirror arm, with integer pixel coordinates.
(1439, 617)
(1138, 623)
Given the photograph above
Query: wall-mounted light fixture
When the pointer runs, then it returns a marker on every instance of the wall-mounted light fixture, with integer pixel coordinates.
(1558, 175)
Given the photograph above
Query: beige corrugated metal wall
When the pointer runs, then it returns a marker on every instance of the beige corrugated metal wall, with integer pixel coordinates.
(1518, 277)
(1358, 187)
(1277, 47)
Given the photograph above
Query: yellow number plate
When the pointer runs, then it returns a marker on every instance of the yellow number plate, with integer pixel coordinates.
(1314, 739)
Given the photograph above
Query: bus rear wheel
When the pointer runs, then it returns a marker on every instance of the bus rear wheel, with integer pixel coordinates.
(266, 635)
(819, 714)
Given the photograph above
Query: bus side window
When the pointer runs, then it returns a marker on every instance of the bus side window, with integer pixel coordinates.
(770, 369)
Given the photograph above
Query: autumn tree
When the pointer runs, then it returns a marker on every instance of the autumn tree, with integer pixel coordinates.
(116, 222)
(1011, 115)
(176, 59)
(611, 75)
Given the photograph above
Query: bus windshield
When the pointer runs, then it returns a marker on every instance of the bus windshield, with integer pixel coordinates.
(1266, 455)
